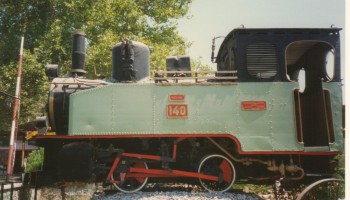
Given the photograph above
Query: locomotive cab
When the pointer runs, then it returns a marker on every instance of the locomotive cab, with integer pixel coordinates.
(307, 58)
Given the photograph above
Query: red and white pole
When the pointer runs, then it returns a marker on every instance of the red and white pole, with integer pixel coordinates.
(15, 115)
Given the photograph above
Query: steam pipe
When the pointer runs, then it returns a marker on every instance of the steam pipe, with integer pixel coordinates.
(213, 47)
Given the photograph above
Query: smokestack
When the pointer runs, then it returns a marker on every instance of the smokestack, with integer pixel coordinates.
(78, 54)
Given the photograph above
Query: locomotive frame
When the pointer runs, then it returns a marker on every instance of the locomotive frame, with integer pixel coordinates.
(251, 117)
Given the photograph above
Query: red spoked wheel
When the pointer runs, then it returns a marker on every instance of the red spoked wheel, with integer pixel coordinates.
(130, 184)
(220, 166)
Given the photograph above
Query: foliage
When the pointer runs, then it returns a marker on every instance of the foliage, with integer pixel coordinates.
(255, 189)
(197, 65)
(325, 189)
(35, 161)
(269, 191)
(339, 162)
(47, 27)
(33, 92)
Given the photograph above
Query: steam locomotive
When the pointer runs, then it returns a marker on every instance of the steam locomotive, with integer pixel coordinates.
(271, 111)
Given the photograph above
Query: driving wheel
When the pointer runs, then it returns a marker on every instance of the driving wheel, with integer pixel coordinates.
(130, 184)
(221, 167)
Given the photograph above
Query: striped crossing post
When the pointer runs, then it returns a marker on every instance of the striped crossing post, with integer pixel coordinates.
(15, 115)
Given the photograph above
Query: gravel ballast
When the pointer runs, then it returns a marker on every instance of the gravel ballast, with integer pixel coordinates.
(175, 195)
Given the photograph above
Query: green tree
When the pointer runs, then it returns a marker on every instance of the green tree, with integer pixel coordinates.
(47, 26)
(34, 88)
(197, 65)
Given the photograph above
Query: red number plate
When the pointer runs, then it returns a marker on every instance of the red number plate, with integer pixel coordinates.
(177, 97)
(177, 111)
(253, 105)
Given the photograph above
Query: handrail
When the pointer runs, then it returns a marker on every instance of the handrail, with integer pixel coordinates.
(161, 75)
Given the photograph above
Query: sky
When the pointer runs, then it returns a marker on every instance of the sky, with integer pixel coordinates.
(209, 18)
